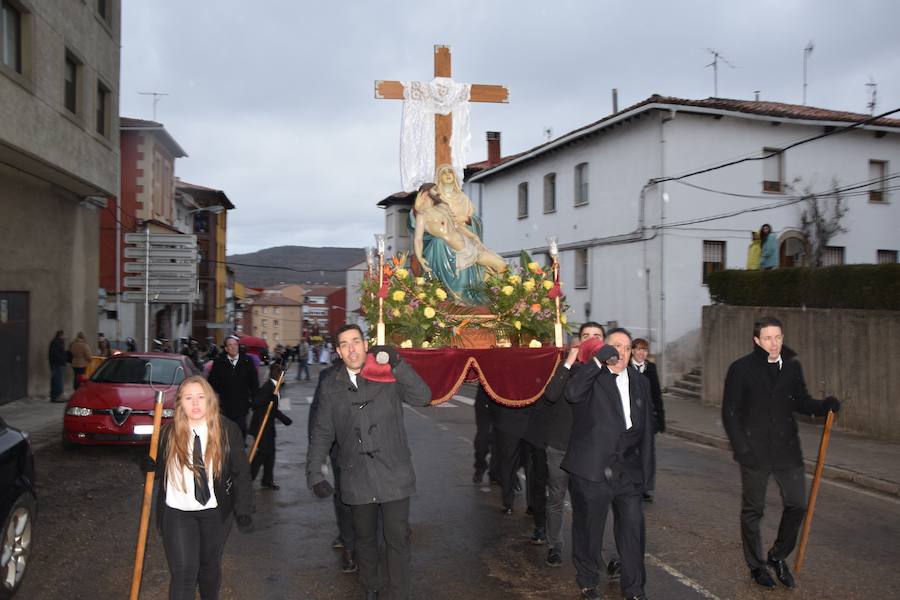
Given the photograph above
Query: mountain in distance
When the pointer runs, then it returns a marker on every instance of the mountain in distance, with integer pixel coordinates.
(295, 264)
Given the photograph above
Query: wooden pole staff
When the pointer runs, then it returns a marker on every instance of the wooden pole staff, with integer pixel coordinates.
(265, 419)
(379, 335)
(553, 245)
(814, 490)
(148, 498)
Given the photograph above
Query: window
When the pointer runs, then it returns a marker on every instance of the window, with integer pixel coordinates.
(103, 109)
(877, 173)
(103, 9)
(71, 83)
(581, 268)
(523, 200)
(581, 184)
(403, 222)
(265, 322)
(887, 257)
(550, 193)
(713, 257)
(275, 323)
(773, 170)
(10, 36)
(275, 310)
(833, 255)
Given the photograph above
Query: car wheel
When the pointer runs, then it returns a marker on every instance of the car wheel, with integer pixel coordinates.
(15, 545)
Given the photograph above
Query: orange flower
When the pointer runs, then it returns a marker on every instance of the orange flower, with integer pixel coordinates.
(535, 308)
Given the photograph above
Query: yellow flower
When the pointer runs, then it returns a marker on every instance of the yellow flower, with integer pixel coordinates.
(441, 294)
(420, 295)
(563, 319)
(507, 290)
(406, 344)
(401, 273)
(441, 324)
(429, 312)
(529, 284)
(534, 344)
(420, 281)
(398, 296)
(425, 344)
(515, 279)
(518, 324)
(534, 267)
(395, 312)
(548, 285)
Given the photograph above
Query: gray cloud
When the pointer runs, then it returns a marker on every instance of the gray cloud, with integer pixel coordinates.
(274, 100)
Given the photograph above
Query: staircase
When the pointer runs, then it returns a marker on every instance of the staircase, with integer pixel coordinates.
(689, 386)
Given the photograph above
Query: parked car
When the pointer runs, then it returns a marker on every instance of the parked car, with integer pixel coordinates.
(115, 406)
(18, 507)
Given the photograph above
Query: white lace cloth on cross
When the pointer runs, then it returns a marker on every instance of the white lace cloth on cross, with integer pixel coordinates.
(421, 101)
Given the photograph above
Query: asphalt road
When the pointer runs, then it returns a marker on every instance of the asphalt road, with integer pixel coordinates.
(462, 546)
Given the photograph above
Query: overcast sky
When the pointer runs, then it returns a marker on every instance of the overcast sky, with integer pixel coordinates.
(273, 100)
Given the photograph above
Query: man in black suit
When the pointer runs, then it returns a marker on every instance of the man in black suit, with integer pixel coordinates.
(265, 450)
(609, 463)
(639, 352)
(763, 390)
(234, 378)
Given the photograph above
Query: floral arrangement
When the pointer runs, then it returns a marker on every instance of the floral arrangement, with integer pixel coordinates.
(415, 309)
(524, 302)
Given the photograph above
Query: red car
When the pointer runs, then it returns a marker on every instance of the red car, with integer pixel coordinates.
(115, 406)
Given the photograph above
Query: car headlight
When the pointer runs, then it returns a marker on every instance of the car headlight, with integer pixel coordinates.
(79, 411)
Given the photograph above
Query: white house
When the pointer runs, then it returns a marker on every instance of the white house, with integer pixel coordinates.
(635, 247)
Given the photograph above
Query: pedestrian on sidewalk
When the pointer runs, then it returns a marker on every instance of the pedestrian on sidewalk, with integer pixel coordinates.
(234, 378)
(609, 463)
(639, 360)
(103, 347)
(58, 359)
(203, 480)
(763, 390)
(81, 359)
(303, 360)
(768, 257)
(365, 418)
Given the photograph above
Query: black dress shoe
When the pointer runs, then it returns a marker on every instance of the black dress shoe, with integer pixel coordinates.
(554, 558)
(781, 572)
(539, 536)
(591, 592)
(271, 485)
(371, 595)
(507, 510)
(648, 497)
(348, 562)
(337, 543)
(614, 569)
(760, 576)
(478, 476)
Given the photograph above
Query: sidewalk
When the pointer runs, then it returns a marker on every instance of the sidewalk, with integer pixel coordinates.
(37, 416)
(851, 458)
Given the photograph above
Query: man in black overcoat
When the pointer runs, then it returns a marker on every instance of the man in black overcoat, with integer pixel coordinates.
(763, 390)
(265, 451)
(234, 378)
(609, 463)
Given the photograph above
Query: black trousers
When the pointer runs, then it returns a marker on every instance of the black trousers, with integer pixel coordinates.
(536, 475)
(484, 432)
(265, 459)
(509, 456)
(342, 512)
(792, 484)
(591, 501)
(194, 542)
(395, 517)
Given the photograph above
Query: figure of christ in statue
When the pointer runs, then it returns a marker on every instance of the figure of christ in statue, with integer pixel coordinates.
(449, 249)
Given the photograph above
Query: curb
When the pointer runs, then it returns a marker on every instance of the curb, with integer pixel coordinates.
(855, 478)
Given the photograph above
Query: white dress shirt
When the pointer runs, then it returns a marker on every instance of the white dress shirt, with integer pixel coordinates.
(183, 499)
(622, 384)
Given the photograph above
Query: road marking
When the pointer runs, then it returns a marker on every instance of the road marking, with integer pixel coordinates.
(465, 439)
(445, 405)
(464, 400)
(680, 577)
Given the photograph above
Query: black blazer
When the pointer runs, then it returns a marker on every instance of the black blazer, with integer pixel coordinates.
(234, 385)
(758, 411)
(600, 448)
(233, 487)
(659, 413)
(551, 419)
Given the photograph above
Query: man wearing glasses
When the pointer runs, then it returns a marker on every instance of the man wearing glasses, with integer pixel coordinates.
(609, 463)
(365, 418)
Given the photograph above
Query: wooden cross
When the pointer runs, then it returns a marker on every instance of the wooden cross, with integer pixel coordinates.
(443, 124)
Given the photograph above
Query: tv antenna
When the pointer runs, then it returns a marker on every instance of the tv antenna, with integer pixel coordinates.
(548, 133)
(806, 52)
(873, 95)
(156, 97)
(717, 56)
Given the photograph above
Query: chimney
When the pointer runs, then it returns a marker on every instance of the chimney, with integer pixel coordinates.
(615, 98)
(493, 148)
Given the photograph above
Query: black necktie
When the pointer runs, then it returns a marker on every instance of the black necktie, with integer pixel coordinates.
(201, 483)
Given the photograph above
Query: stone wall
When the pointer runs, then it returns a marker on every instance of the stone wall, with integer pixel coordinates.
(851, 354)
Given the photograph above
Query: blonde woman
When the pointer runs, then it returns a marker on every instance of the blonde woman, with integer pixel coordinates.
(204, 479)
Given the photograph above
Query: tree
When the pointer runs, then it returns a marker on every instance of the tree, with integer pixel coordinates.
(820, 220)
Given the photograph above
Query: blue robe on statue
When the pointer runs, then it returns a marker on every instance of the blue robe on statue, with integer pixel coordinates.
(442, 261)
